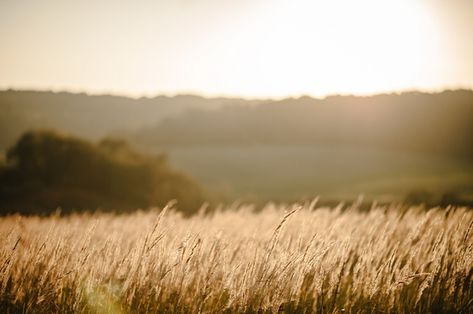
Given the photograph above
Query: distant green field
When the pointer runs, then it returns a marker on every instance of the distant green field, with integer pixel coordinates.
(291, 172)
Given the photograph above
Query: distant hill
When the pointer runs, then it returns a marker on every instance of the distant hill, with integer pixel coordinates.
(386, 146)
(439, 123)
(91, 116)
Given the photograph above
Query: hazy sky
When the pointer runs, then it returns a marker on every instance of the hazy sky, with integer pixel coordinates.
(251, 48)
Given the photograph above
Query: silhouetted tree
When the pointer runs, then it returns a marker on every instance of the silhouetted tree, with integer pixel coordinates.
(45, 170)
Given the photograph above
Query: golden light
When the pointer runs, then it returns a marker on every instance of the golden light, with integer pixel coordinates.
(319, 47)
(265, 48)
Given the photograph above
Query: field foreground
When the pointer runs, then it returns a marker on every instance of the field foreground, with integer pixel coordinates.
(292, 259)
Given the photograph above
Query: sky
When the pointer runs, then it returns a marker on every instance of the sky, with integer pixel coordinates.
(243, 48)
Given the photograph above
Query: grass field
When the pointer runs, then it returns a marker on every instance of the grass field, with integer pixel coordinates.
(283, 259)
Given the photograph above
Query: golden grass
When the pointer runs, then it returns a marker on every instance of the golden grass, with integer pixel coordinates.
(286, 259)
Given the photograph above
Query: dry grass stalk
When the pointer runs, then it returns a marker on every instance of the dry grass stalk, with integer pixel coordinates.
(310, 260)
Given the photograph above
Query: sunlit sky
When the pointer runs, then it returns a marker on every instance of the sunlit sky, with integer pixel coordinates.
(248, 48)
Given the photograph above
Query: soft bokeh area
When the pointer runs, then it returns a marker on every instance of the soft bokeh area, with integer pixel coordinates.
(411, 147)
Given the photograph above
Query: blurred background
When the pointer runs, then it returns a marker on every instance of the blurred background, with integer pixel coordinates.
(125, 104)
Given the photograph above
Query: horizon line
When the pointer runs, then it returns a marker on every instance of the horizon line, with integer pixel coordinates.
(112, 93)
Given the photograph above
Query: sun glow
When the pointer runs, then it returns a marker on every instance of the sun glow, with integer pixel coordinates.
(261, 48)
(326, 47)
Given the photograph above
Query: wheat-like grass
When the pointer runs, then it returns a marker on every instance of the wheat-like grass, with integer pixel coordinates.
(294, 259)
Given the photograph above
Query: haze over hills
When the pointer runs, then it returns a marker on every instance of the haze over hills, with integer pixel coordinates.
(385, 146)
(436, 123)
(406, 120)
(389, 147)
(90, 116)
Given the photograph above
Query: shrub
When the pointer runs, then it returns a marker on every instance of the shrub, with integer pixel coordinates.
(45, 170)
